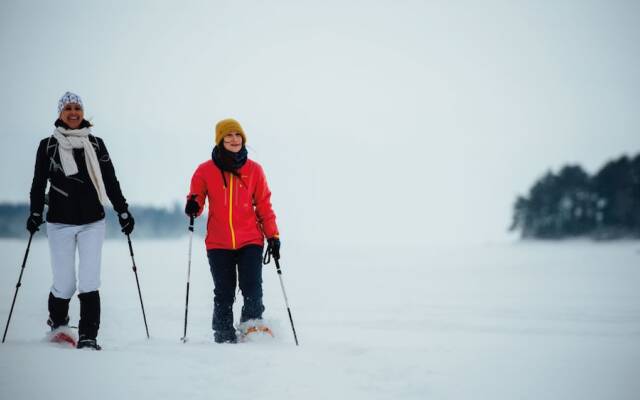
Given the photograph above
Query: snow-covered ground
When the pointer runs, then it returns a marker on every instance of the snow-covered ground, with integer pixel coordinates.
(502, 321)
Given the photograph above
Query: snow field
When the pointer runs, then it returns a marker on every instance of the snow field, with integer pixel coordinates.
(496, 321)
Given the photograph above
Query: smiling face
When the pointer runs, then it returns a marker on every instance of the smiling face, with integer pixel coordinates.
(72, 115)
(232, 142)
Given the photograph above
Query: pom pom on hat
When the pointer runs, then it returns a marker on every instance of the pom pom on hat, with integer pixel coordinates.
(69, 98)
(226, 126)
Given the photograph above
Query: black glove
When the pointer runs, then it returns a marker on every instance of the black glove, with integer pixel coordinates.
(33, 223)
(126, 222)
(273, 247)
(192, 208)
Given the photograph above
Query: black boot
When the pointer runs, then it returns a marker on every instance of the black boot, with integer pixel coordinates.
(89, 319)
(251, 309)
(84, 343)
(58, 312)
(224, 332)
(226, 336)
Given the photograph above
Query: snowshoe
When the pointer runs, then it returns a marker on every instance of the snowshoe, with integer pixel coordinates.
(254, 329)
(62, 334)
(85, 343)
(55, 326)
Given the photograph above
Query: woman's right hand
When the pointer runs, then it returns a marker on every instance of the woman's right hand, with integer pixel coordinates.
(33, 223)
(192, 207)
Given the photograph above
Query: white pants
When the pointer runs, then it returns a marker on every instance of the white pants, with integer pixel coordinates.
(63, 241)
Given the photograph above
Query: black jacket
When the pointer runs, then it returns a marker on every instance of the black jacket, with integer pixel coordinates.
(73, 199)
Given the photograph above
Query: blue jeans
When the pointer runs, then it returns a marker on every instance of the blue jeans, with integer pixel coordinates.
(223, 264)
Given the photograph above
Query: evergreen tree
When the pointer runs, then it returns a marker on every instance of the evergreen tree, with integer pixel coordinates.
(614, 187)
(542, 208)
(577, 204)
(572, 203)
(635, 194)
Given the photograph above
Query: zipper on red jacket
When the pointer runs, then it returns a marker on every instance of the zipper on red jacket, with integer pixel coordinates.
(233, 234)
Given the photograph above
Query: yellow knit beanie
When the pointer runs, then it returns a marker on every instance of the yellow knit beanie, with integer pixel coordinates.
(226, 126)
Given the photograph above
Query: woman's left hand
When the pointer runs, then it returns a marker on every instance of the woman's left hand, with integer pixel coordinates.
(126, 222)
(273, 247)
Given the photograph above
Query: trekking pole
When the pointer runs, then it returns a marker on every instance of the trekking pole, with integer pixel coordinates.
(186, 307)
(135, 271)
(24, 262)
(286, 302)
(267, 260)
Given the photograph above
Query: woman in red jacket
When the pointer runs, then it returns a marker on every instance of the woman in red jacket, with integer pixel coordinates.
(240, 217)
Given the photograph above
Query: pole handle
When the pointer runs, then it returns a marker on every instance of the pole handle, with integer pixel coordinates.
(192, 217)
(131, 249)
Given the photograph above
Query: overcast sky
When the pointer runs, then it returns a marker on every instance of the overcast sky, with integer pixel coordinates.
(376, 121)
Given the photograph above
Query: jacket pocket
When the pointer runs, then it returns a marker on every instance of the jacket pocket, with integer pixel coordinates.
(62, 192)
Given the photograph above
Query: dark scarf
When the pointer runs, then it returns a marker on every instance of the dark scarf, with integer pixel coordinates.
(229, 161)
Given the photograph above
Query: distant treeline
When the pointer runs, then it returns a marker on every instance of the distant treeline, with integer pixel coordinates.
(572, 203)
(151, 222)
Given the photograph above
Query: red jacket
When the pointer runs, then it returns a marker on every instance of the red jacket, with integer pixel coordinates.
(240, 210)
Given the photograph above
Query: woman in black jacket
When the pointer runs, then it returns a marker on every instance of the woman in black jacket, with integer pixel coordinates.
(81, 178)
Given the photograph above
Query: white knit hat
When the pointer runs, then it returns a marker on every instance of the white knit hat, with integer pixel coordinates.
(68, 98)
